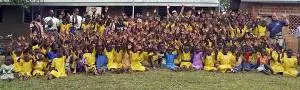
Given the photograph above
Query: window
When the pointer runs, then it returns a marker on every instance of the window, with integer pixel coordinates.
(1, 14)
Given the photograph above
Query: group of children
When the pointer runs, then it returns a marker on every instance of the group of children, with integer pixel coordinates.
(233, 42)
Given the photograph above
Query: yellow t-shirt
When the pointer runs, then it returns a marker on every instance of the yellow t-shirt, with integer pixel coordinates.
(101, 29)
(261, 31)
(59, 65)
(27, 66)
(209, 61)
(65, 28)
(90, 58)
(186, 56)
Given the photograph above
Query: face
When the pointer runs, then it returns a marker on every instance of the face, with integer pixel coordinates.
(51, 13)
(274, 17)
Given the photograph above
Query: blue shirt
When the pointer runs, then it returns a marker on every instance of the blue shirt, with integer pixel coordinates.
(170, 57)
(275, 27)
(51, 55)
(101, 61)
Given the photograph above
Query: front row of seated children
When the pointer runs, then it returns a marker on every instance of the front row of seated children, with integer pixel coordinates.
(117, 59)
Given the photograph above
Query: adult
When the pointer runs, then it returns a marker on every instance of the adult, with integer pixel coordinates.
(76, 21)
(275, 29)
(36, 26)
(51, 23)
(298, 36)
(174, 15)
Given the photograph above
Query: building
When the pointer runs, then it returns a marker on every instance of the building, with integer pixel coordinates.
(14, 19)
(288, 7)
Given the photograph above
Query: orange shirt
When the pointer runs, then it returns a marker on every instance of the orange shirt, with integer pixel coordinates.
(263, 59)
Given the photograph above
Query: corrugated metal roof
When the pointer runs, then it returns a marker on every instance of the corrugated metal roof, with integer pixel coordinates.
(200, 3)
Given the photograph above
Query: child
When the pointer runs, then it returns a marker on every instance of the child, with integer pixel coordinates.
(209, 61)
(155, 58)
(263, 63)
(197, 59)
(126, 59)
(290, 65)
(6, 70)
(186, 58)
(275, 62)
(136, 57)
(80, 64)
(65, 26)
(17, 62)
(240, 64)
(39, 66)
(27, 66)
(101, 60)
(170, 57)
(110, 54)
(249, 56)
(58, 68)
(226, 61)
(90, 61)
(118, 58)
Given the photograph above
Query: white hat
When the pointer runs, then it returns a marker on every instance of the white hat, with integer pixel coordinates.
(174, 11)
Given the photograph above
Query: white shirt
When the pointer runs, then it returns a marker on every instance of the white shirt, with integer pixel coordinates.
(78, 23)
(54, 21)
(298, 32)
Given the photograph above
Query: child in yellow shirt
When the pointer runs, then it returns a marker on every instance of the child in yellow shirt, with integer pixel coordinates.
(27, 67)
(290, 65)
(90, 61)
(39, 66)
(209, 61)
(186, 59)
(58, 68)
(226, 61)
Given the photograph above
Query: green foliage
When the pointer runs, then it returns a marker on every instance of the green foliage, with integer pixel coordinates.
(225, 3)
(23, 3)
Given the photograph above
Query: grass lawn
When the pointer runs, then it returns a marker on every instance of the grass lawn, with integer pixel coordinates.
(160, 79)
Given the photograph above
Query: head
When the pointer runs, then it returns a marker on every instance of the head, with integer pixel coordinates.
(38, 18)
(8, 60)
(274, 16)
(289, 53)
(76, 11)
(174, 13)
(226, 50)
(51, 13)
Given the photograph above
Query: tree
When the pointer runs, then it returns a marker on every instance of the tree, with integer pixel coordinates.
(225, 4)
(23, 3)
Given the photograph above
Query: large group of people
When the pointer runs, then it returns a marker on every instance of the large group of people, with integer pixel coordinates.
(184, 41)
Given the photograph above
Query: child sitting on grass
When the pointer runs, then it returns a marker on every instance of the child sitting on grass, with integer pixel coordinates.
(263, 63)
(209, 61)
(101, 60)
(185, 63)
(170, 57)
(39, 66)
(58, 68)
(226, 60)
(6, 70)
(290, 65)
(27, 65)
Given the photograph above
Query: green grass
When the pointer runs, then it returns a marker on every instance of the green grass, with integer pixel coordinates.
(160, 79)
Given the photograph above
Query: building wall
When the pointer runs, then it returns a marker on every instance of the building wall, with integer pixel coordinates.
(12, 21)
(292, 10)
